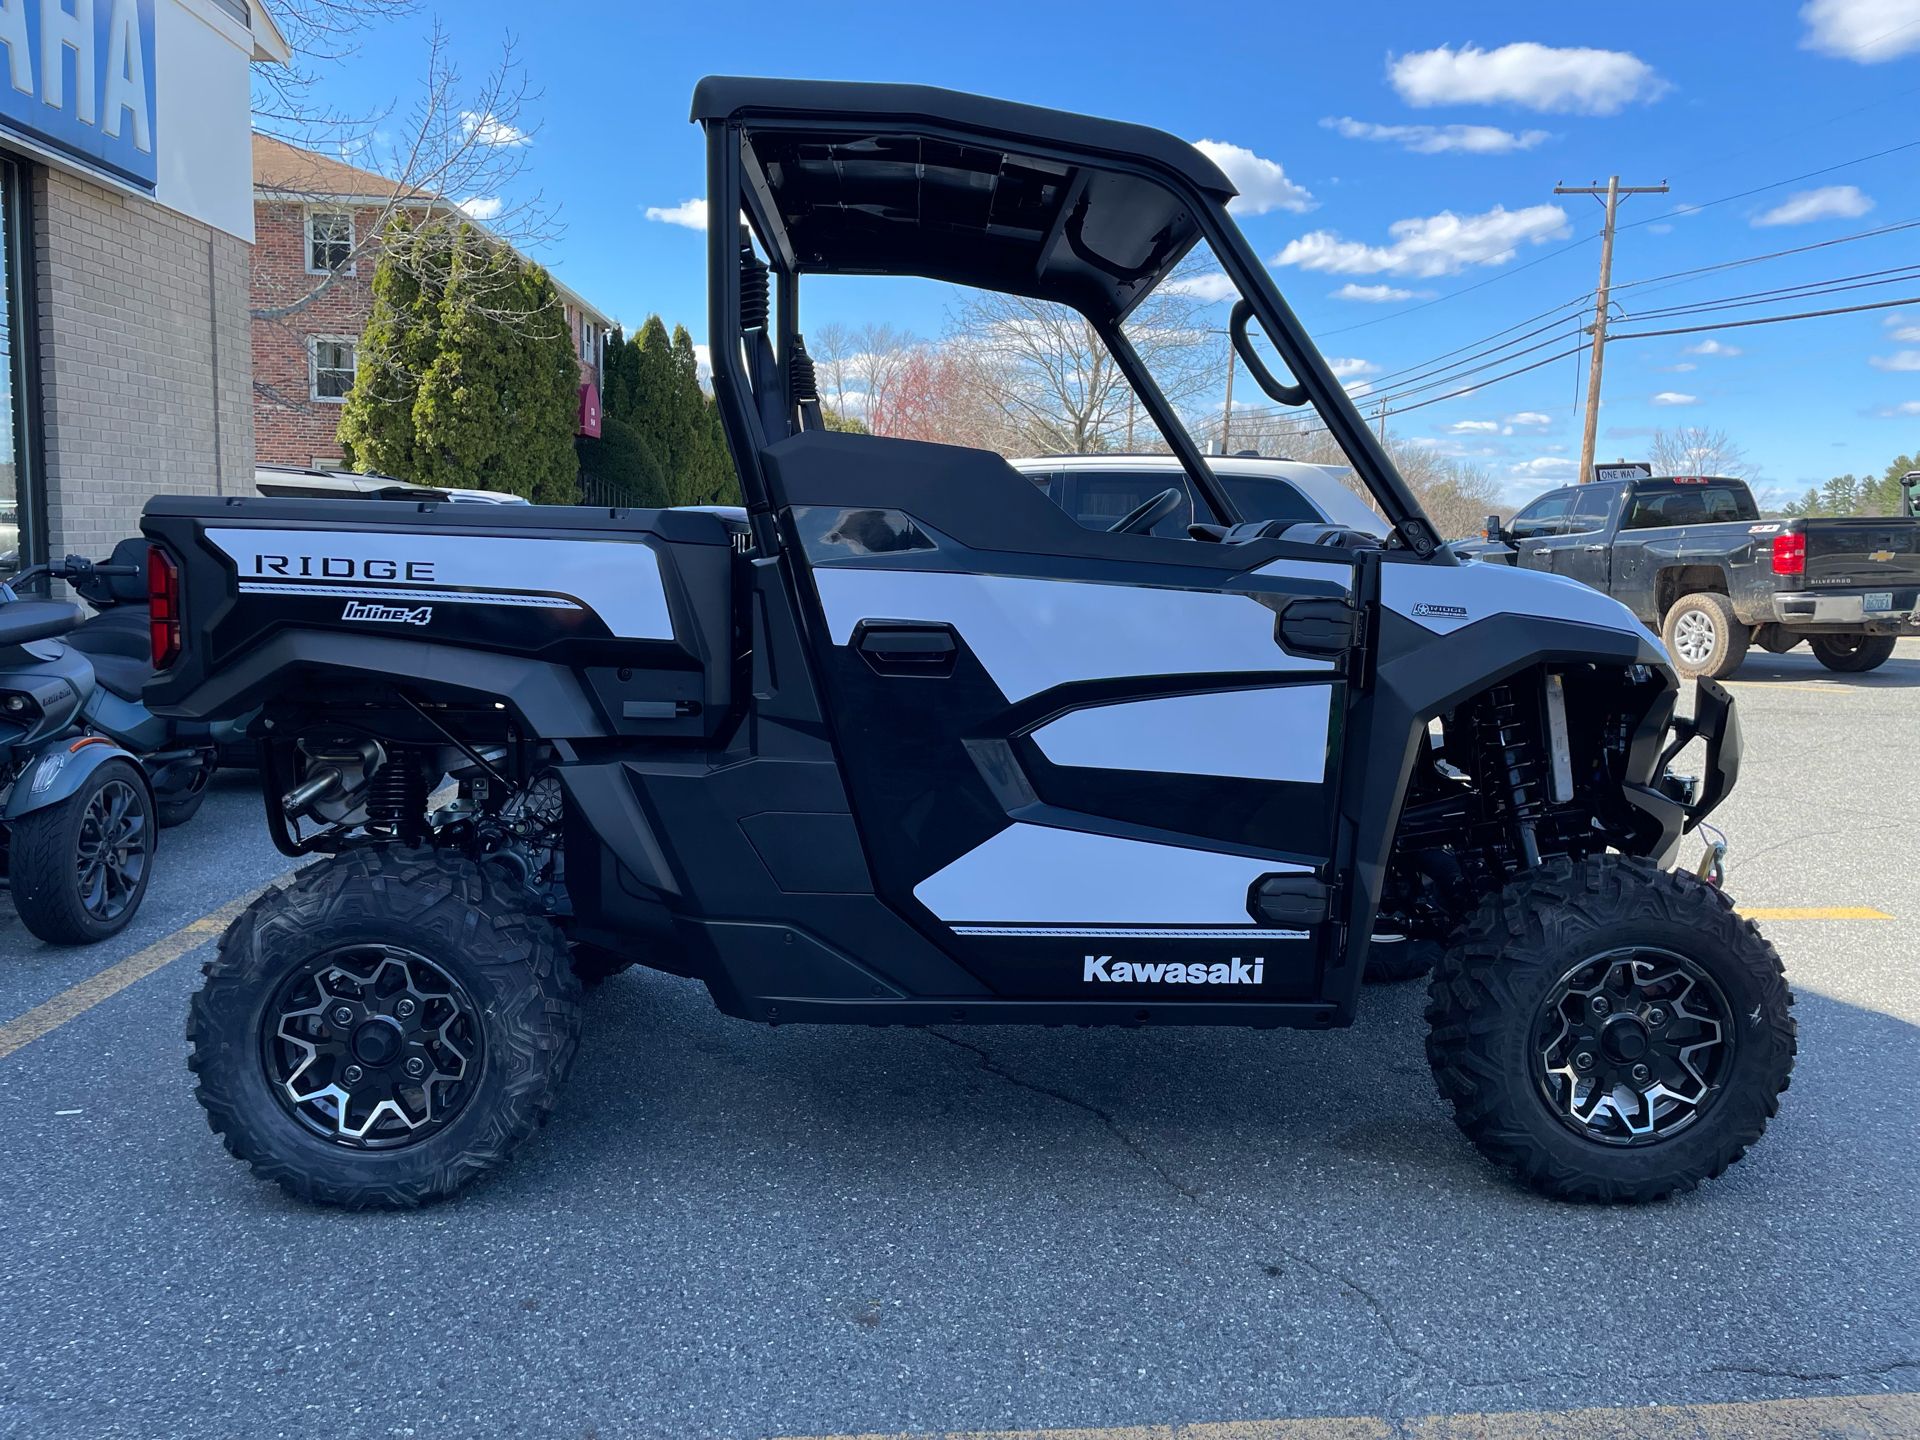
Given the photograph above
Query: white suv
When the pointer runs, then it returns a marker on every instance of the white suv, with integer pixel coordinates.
(1099, 489)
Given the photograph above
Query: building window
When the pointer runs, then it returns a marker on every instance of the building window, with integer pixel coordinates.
(329, 241)
(586, 340)
(23, 535)
(330, 367)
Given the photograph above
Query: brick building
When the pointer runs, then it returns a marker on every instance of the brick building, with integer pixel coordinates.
(125, 220)
(313, 219)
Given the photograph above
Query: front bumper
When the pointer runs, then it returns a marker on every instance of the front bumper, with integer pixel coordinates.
(1680, 802)
(1848, 610)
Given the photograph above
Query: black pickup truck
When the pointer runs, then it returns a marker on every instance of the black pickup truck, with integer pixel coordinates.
(1691, 557)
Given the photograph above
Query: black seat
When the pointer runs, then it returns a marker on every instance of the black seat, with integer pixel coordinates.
(25, 620)
(121, 675)
(120, 631)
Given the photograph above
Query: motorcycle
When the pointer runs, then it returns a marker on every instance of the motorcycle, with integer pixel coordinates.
(179, 757)
(77, 814)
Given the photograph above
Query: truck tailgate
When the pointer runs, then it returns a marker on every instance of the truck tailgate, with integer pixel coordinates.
(1863, 553)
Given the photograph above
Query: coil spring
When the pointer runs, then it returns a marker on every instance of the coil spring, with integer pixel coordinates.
(753, 290)
(1516, 772)
(800, 377)
(397, 797)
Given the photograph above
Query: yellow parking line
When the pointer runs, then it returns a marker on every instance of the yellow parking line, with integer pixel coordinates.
(1855, 1417)
(1813, 912)
(45, 1019)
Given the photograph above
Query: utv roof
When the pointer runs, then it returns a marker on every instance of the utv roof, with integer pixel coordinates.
(907, 179)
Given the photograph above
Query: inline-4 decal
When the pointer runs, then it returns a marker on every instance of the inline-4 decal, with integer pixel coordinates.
(387, 614)
(618, 580)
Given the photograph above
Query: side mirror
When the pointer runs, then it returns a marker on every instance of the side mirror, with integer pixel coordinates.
(1493, 533)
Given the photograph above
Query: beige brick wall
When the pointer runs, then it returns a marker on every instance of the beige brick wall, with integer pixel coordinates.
(134, 304)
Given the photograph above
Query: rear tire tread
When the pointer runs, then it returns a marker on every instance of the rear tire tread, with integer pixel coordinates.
(532, 1035)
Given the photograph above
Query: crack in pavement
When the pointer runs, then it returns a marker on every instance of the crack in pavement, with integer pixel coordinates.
(1418, 1362)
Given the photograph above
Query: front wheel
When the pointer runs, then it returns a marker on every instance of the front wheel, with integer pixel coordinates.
(1852, 654)
(1609, 1031)
(79, 869)
(384, 1030)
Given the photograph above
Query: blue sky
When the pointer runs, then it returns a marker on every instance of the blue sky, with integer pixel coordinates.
(1713, 97)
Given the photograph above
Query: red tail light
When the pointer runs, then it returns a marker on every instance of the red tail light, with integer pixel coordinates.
(163, 607)
(1790, 554)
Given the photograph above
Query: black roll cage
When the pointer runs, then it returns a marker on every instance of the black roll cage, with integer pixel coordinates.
(732, 171)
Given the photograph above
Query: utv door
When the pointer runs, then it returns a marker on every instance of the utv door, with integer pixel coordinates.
(1090, 766)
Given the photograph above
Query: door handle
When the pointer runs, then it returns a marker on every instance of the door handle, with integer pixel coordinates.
(1543, 550)
(1596, 549)
(897, 649)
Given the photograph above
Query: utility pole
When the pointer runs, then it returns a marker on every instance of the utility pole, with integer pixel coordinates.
(1226, 414)
(1613, 190)
(1383, 422)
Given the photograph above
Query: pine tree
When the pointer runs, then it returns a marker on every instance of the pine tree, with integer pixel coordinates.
(466, 374)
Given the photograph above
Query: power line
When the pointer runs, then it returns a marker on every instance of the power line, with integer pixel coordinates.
(1866, 280)
(1772, 254)
(1772, 185)
(1466, 289)
(1770, 319)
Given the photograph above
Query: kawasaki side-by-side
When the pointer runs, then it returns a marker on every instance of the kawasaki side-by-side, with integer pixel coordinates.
(909, 744)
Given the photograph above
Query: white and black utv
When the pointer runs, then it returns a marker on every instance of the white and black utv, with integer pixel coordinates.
(909, 745)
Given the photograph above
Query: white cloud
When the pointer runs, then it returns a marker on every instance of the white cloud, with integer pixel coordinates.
(1379, 294)
(1829, 202)
(1573, 80)
(1358, 388)
(1350, 369)
(702, 362)
(1440, 139)
(1900, 360)
(1685, 367)
(490, 129)
(1210, 287)
(1442, 244)
(1901, 411)
(1474, 427)
(1529, 420)
(483, 207)
(1865, 30)
(1262, 183)
(1675, 397)
(1713, 347)
(692, 214)
(1902, 328)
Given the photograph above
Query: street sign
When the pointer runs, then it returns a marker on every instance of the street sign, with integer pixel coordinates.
(1624, 470)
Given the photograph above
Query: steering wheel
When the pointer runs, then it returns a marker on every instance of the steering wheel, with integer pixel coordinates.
(1143, 518)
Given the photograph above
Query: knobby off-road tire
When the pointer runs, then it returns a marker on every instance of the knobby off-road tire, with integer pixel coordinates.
(1852, 654)
(1704, 636)
(472, 961)
(1492, 1005)
(78, 870)
(1394, 961)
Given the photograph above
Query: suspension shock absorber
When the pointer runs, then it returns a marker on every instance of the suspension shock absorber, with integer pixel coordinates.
(397, 797)
(1514, 769)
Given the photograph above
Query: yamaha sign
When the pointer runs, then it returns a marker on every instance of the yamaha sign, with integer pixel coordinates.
(82, 83)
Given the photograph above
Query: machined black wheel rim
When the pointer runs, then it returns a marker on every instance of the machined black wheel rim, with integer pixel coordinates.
(1632, 1046)
(372, 1047)
(110, 855)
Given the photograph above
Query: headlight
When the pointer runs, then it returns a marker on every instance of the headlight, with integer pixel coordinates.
(20, 708)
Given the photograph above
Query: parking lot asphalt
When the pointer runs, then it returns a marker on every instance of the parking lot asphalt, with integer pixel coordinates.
(734, 1231)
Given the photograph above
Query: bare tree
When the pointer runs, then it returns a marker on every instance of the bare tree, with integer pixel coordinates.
(1045, 367)
(456, 152)
(1698, 450)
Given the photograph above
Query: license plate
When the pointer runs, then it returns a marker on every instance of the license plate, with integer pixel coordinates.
(1879, 600)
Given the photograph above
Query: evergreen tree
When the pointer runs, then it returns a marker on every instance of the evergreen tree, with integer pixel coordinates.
(620, 460)
(466, 374)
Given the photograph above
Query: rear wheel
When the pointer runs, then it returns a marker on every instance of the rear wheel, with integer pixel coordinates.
(1852, 654)
(384, 1030)
(79, 869)
(1704, 636)
(1611, 1032)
